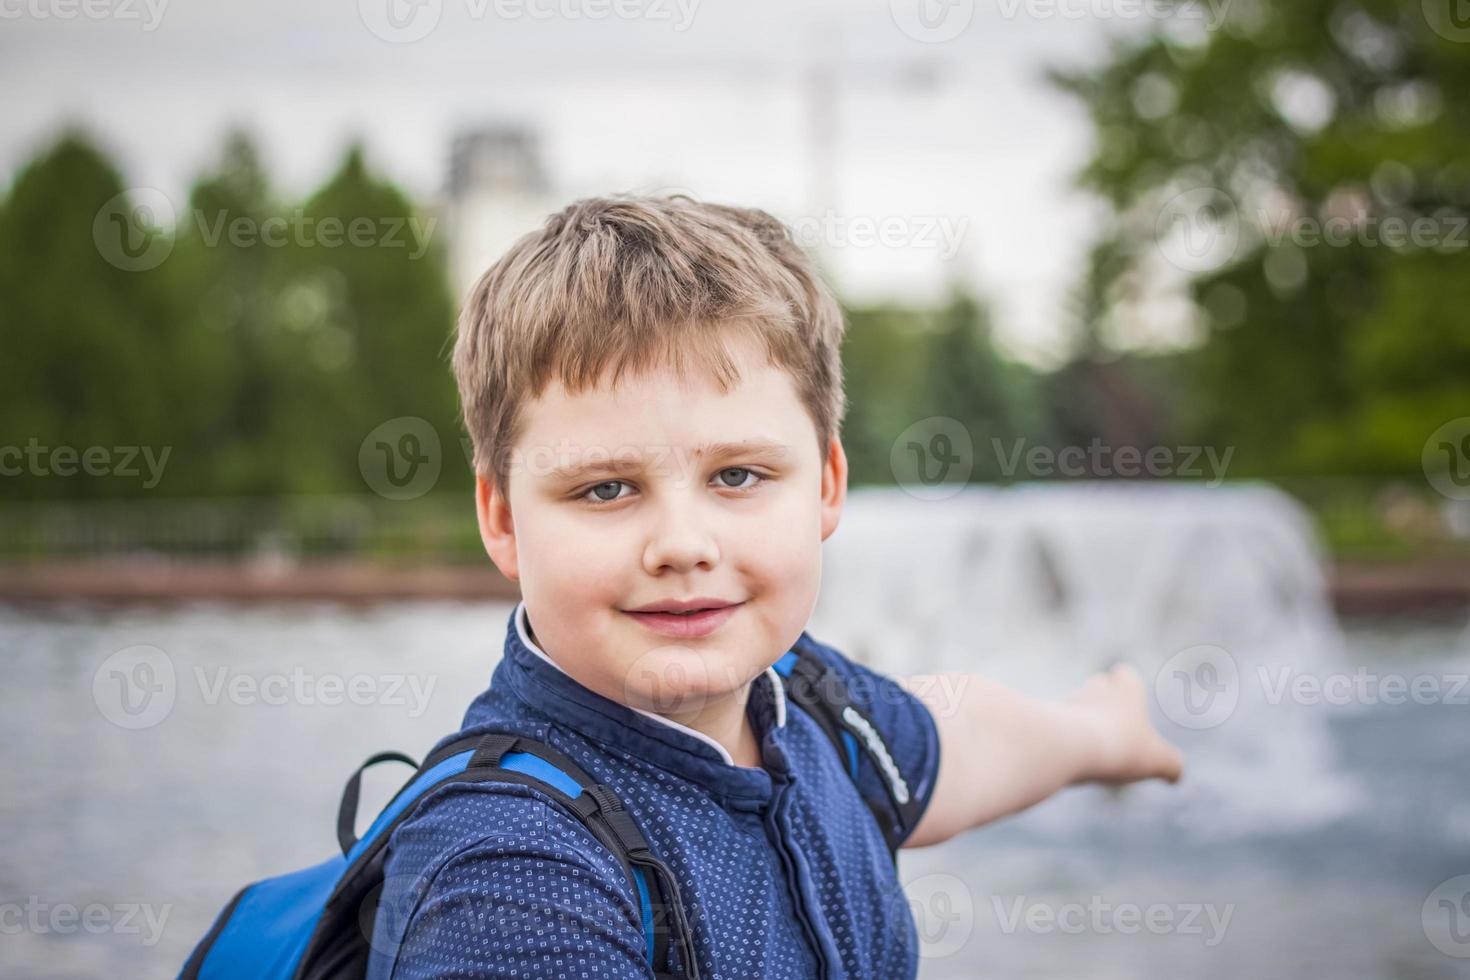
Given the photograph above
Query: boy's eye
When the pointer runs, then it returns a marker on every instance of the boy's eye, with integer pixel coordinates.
(739, 473)
(611, 486)
(730, 478)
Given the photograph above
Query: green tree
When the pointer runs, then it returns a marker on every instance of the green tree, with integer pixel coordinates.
(903, 366)
(90, 341)
(883, 365)
(367, 288)
(994, 399)
(1316, 358)
(256, 342)
(229, 282)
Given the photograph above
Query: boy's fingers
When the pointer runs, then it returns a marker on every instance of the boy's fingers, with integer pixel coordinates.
(1172, 768)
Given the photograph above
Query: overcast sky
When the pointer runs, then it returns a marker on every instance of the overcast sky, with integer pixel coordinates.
(943, 124)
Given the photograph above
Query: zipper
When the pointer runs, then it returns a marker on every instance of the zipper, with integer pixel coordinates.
(791, 866)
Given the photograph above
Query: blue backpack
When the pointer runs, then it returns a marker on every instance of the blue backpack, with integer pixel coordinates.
(317, 923)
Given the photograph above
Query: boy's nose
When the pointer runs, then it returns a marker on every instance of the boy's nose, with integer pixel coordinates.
(680, 541)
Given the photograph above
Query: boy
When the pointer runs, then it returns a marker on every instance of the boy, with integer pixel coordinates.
(653, 389)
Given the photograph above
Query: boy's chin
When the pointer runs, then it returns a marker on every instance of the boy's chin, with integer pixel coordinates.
(679, 680)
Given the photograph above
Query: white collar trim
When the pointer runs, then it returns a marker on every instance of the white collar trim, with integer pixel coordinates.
(521, 620)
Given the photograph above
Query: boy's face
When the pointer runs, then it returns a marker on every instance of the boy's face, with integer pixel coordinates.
(660, 515)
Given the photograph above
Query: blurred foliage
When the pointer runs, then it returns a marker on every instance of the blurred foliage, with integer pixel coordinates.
(1314, 358)
(91, 351)
(261, 362)
(260, 350)
(1378, 519)
(902, 366)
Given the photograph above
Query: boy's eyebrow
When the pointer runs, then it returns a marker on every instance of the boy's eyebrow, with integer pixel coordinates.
(623, 461)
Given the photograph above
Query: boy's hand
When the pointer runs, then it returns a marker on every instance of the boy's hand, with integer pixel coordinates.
(1129, 748)
(1001, 752)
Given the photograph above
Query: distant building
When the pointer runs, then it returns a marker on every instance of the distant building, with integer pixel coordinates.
(496, 192)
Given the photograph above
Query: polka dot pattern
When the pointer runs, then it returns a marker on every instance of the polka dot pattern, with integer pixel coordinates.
(783, 869)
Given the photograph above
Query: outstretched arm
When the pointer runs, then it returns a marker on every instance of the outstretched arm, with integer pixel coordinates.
(1001, 752)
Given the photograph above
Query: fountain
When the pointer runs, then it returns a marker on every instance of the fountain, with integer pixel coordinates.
(1209, 592)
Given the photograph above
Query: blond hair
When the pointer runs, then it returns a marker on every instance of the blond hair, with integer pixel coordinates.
(628, 283)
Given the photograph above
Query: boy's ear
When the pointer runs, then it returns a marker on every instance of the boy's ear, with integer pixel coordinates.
(834, 486)
(496, 528)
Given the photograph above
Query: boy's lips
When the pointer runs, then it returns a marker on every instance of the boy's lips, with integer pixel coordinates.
(686, 625)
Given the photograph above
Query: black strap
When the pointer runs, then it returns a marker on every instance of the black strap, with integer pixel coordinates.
(491, 748)
(597, 807)
(598, 803)
(821, 692)
(600, 809)
(347, 810)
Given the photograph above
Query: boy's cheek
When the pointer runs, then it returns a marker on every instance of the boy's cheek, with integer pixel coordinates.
(585, 573)
(788, 549)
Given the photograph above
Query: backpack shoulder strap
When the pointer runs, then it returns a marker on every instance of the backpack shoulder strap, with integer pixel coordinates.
(600, 809)
(499, 757)
(822, 693)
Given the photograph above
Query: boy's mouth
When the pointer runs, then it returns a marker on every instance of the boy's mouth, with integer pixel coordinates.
(685, 618)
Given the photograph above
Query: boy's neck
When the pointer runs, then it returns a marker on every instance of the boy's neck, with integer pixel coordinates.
(725, 720)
